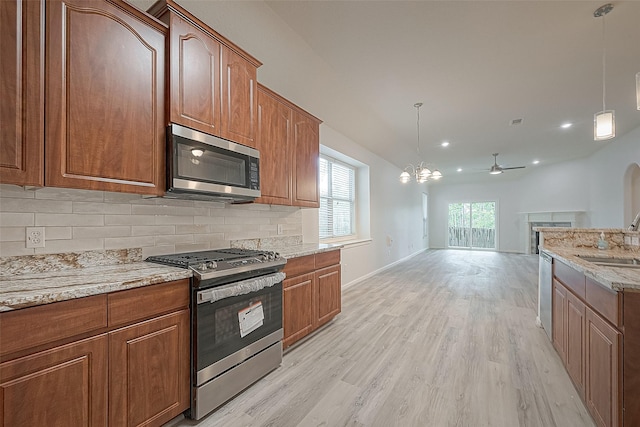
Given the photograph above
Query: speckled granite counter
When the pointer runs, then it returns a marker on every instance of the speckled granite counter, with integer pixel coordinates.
(41, 279)
(287, 246)
(616, 278)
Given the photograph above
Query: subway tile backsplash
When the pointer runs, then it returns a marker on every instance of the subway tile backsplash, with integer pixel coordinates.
(79, 220)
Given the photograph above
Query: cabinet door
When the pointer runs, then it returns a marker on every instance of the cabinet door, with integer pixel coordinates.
(64, 386)
(603, 350)
(149, 371)
(298, 309)
(306, 135)
(274, 144)
(104, 89)
(239, 98)
(559, 320)
(328, 294)
(22, 86)
(194, 77)
(575, 332)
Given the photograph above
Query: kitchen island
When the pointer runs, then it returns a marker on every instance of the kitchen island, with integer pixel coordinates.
(596, 318)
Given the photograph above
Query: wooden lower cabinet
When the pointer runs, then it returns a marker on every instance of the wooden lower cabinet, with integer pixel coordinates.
(575, 350)
(63, 386)
(559, 314)
(311, 294)
(328, 294)
(298, 308)
(148, 363)
(604, 346)
(125, 373)
(595, 352)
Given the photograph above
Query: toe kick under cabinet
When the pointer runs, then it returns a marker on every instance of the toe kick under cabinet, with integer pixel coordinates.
(596, 332)
(311, 294)
(115, 359)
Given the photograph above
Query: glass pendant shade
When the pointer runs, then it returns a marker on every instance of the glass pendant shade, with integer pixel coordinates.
(405, 177)
(436, 174)
(604, 125)
(638, 90)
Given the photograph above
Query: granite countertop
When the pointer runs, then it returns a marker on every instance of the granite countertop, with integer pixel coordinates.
(306, 249)
(59, 277)
(615, 278)
(32, 280)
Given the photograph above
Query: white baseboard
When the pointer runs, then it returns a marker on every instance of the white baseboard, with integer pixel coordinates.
(380, 270)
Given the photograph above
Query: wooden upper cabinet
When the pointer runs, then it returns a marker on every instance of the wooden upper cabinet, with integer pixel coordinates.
(274, 141)
(306, 135)
(239, 98)
(213, 85)
(105, 127)
(22, 85)
(194, 76)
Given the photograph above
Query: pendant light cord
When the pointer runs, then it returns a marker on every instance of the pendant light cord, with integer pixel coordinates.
(418, 105)
(604, 60)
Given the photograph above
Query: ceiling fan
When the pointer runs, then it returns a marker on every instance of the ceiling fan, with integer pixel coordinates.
(497, 169)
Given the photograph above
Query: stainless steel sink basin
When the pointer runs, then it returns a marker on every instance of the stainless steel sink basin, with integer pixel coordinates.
(613, 262)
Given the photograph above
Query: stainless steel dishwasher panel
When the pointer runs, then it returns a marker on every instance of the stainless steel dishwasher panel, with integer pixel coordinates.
(545, 290)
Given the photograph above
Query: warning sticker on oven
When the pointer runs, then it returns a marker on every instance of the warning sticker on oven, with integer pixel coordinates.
(250, 318)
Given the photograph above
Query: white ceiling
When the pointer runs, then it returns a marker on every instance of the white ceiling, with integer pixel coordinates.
(475, 65)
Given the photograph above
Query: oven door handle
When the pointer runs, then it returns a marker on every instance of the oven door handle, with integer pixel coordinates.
(243, 287)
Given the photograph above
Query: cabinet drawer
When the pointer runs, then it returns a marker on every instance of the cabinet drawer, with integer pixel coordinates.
(325, 259)
(300, 265)
(572, 279)
(142, 303)
(34, 326)
(604, 301)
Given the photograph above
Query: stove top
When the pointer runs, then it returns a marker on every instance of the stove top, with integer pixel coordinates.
(218, 263)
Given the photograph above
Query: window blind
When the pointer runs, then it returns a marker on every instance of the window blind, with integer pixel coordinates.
(337, 198)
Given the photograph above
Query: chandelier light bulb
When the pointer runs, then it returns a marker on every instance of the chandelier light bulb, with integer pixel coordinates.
(405, 177)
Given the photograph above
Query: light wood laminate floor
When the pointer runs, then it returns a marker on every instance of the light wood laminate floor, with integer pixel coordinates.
(447, 338)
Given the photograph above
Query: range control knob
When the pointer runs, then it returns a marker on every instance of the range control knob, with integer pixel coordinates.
(212, 265)
(202, 266)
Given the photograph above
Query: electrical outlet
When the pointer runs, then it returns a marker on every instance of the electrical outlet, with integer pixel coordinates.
(35, 237)
(280, 229)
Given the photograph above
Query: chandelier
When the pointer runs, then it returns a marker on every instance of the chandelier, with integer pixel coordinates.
(421, 172)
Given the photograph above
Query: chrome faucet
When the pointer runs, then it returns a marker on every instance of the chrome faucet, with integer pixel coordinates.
(635, 223)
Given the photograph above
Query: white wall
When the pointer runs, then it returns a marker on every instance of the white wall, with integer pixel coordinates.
(607, 169)
(594, 184)
(395, 213)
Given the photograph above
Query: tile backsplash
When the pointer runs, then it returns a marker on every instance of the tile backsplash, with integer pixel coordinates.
(79, 220)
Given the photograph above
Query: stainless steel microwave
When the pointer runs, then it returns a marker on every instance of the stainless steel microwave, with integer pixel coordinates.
(203, 166)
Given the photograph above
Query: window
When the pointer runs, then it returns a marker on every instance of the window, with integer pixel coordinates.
(472, 225)
(337, 199)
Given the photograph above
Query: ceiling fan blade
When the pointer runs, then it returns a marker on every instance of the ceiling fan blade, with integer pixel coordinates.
(515, 167)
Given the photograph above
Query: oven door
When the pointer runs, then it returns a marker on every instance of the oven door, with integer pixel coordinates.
(206, 164)
(230, 330)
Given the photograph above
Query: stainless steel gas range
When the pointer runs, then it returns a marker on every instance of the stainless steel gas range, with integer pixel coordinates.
(236, 312)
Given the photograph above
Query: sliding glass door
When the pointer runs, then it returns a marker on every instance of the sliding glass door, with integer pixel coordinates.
(472, 225)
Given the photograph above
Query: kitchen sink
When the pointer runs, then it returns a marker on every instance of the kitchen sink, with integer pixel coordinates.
(613, 262)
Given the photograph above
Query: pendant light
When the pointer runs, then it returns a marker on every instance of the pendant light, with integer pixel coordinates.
(604, 122)
(421, 172)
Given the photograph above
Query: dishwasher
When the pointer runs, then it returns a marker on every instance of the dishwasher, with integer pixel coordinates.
(545, 285)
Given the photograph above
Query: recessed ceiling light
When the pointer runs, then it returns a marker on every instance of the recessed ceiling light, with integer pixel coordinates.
(459, 170)
(535, 162)
(445, 143)
(566, 125)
